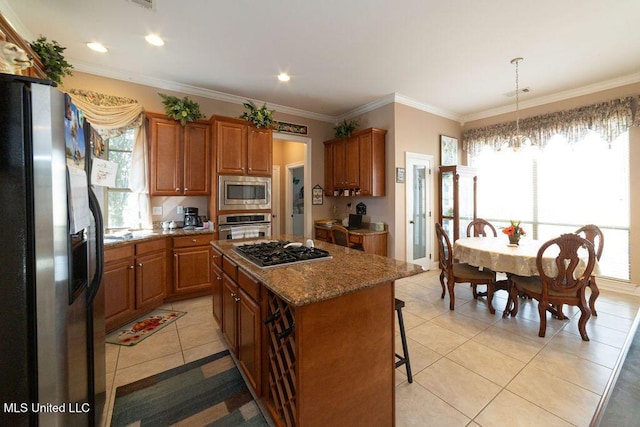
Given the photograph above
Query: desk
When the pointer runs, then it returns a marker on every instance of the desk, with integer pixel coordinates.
(495, 253)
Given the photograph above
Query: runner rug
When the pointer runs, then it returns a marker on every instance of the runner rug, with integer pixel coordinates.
(136, 331)
(207, 392)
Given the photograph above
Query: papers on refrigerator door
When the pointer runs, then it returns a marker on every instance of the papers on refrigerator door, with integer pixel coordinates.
(103, 172)
(79, 213)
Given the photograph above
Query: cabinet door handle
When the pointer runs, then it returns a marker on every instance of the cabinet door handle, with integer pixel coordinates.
(193, 240)
(215, 256)
(131, 267)
(218, 278)
(186, 189)
(177, 189)
(236, 299)
(249, 168)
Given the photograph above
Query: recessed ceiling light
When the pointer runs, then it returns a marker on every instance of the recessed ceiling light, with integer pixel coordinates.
(97, 47)
(154, 40)
(284, 77)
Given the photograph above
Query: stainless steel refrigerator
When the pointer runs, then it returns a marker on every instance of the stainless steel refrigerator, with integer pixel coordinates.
(51, 305)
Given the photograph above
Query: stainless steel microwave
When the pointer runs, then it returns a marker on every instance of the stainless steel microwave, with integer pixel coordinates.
(244, 192)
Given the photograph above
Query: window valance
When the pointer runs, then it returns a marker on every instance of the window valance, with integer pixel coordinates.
(609, 119)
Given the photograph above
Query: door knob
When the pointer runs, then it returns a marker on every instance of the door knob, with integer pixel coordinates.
(410, 222)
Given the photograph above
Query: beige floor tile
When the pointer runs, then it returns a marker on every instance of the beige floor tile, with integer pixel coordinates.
(195, 316)
(410, 320)
(529, 328)
(192, 336)
(610, 321)
(111, 352)
(436, 338)
(491, 364)
(598, 333)
(514, 411)
(513, 345)
(594, 351)
(423, 309)
(160, 344)
(190, 304)
(419, 355)
(461, 324)
(562, 398)
(570, 367)
(463, 389)
(148, 368)
(203, 350)
(614, 307)
(417, 407)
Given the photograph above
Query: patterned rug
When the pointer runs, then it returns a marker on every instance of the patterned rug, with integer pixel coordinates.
(207, 392)
(136, 331)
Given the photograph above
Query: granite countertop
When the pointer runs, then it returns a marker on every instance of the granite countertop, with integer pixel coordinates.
(348, 271)
(144, 235)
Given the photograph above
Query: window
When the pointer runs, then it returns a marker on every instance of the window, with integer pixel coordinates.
(561, 188)
(122, 205)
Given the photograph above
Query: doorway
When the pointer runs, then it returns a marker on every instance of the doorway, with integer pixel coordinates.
(294, 199)
(275, 206)
(302, 146)
(419, 209)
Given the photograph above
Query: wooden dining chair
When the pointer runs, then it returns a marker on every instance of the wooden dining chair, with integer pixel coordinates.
(340, 236)
(479, 227)
(565, 286)
(593, 234)
(456, 272)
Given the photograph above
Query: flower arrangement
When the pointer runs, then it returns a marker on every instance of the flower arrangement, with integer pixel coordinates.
(514, 231)
(261, 117)
(346, 128)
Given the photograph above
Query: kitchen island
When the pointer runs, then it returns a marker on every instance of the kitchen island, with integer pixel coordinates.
(315, 339)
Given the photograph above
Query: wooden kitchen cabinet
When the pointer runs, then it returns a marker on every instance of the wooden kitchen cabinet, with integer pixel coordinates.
(134, 281)
(457, 201)
(180, 157)
(118, 281)
(191, 265)
(356, 164)
(216, 285)
(241, 320)
(242, 149)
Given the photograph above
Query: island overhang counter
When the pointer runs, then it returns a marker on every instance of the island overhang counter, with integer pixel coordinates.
(315, 339)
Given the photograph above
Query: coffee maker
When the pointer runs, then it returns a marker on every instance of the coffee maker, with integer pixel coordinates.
(191, 219)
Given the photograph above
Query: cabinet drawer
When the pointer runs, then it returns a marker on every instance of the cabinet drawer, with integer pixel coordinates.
(231, 268)
(355, 238)
(323, 234)
(249, 285)
(216, 257)
(150, 246)
(193, 240)
(119, 253)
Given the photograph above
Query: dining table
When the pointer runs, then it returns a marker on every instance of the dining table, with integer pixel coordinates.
(497, 254)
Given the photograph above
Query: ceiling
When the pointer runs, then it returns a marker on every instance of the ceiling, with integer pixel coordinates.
(449, 57)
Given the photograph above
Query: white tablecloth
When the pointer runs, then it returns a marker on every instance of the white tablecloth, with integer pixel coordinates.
(495, 253)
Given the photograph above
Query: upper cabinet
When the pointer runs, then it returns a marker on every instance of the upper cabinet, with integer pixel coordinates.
(180, 157)
(242, 149)
(355, 166)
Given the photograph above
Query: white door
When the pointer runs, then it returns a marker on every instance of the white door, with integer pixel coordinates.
(275, 201)
(419, 209)
(294, 199)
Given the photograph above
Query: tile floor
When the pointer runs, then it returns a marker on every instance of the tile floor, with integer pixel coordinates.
(470, 368)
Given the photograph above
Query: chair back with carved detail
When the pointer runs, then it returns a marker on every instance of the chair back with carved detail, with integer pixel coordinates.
(593, 234)
(567, 279)
(445, 253)
(339, 235)
(479, 227)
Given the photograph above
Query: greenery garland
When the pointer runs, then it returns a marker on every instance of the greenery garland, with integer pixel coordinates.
(261, 117)
(50, 54)
(183, 110)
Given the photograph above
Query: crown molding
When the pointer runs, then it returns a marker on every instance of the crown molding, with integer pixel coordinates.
(399, 99)
(560, 96)
(194, 90)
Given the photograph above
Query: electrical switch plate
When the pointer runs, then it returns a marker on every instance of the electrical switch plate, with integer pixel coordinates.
(180, 210)
(157, 210)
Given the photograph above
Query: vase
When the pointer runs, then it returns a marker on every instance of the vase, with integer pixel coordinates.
(514, 239)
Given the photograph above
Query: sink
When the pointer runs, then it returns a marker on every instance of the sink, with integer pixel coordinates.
(127, 235)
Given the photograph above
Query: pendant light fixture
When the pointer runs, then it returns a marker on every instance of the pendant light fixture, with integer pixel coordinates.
(518, 141)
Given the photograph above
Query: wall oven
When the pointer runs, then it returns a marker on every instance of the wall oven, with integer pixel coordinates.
(242, 226)
(244, 192)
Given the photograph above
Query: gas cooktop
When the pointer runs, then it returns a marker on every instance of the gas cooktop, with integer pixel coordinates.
(276, 253)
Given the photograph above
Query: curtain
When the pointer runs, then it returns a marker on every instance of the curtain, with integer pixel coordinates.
(112, 116)
(609, 119)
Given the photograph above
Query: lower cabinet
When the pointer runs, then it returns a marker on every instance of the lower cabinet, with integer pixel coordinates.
(241, 320)
(191, 265)
(216, 285)
(134, 281)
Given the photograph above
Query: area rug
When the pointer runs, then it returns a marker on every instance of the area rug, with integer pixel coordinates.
(207, 392)
(136, 331)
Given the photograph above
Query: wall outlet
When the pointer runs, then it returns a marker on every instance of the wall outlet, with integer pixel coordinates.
(157, 210)
(180, 210)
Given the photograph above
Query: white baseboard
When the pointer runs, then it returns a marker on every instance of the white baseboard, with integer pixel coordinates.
(619, 286)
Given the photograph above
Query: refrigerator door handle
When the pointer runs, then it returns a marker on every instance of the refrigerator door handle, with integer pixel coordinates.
(94, 206)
